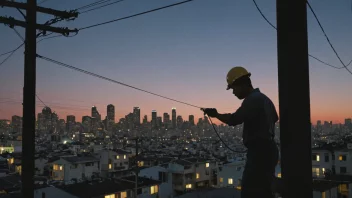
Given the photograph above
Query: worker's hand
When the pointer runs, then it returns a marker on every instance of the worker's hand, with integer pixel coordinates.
(211, 112)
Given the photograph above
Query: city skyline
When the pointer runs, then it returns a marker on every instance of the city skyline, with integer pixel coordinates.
(177, 62)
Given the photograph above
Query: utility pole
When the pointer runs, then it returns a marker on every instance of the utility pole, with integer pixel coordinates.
(28, 129)
(29, 90)
(294, 98)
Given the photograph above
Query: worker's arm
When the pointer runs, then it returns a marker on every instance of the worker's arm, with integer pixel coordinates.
(225, 118)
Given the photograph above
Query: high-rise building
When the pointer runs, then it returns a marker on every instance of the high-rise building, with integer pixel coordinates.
(173, 118)
(179, 121)
(16, 123)
(87, 123)
(137, 116)
(145, 119)
(191, 119)
(95, 114)
(110, 112)
(47, 113)
(159, 122)
(154, 117)
(41, 122)
(70, 122)
(166, 120)
(348, 121)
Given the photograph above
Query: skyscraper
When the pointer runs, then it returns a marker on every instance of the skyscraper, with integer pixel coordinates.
(179, 121)
(174, 118)
(154, 117)
(110, 112)
(95, 114)
(145, 119)
(70, 122)
(191, 119)
(166, 120)
(16, 123)
(137, 116)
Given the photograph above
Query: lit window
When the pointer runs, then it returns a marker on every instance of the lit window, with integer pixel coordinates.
(154, 190)
(323, 170)
(61, 167)
(197, 176)
(279, 175)
(221, 180)
(323, 195)
(207, 165)
(230, 181)
(110, 166)
(140, 163)
(117, 157)
(124, 156)
(318, 158)
(123, 195)
(110, 196)
(189, 186)
(56, 167)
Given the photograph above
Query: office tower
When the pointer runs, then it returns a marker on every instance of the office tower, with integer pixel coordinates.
(173, 118)
(191, 119)
(154, 117)
(137, 116)
(110, 112)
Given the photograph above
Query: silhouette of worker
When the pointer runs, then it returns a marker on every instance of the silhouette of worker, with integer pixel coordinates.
(258, 114)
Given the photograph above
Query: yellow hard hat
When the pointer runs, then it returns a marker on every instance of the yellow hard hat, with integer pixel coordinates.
(234, 74)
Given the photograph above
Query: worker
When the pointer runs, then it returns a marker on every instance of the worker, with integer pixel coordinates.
(258, 114)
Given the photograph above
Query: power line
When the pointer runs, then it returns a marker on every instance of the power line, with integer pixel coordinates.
(222, 139)
(327, 38)
(131, 16)
(43, 1)
(97, 8)
(10, 54)
(40, 100)
(111, 80)
(273, 26)
(92, 4)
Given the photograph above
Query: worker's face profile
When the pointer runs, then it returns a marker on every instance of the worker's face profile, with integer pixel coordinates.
(238, 91)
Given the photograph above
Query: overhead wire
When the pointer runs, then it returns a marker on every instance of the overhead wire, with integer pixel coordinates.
(273, 26)
(134, 15)
(92, 4)
(111, 80)
(97, 8)
(327, 38)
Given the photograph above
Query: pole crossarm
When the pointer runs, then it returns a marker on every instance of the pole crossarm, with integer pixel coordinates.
(13, 22)
(23, 6)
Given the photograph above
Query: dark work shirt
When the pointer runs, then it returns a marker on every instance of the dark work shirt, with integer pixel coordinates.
(259, 116)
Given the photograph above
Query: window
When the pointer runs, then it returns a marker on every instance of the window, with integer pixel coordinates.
(326, 158)
(279, 175)
(207, 165)
(154, 190)
(110, 196)
(189, 186)
(343, 169)
(117, 157)
(238, 168)
(323, 170)
(124, 156)
(323, 195)
(315, 172)
(239, 185)
(221, 180)
(61, 167)
(123, 194)
(56, 167)
(163, 176)
(230, 181)
(342, 158)
(140, 163)
(206, 172)
(110, 166)
(316, 157)
(197, 175)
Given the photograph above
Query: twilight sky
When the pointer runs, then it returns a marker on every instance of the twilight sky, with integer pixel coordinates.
(183, 52)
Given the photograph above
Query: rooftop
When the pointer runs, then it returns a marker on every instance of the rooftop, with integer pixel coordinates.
(77, 160)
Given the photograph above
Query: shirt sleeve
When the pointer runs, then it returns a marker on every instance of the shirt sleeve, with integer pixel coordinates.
(246, 111)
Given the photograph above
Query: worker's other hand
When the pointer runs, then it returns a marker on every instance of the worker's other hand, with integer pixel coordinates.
(211, 112)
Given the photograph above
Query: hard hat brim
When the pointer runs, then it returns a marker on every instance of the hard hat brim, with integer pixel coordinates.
(228, 86)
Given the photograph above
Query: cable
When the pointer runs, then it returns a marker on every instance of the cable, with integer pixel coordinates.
(43, 1)
(11, 53)
(92, 4)
(97, 8)
(222, 139)
(111, 80)
(131, 16)
(266, 19)
(327, 38)
(40, 100)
